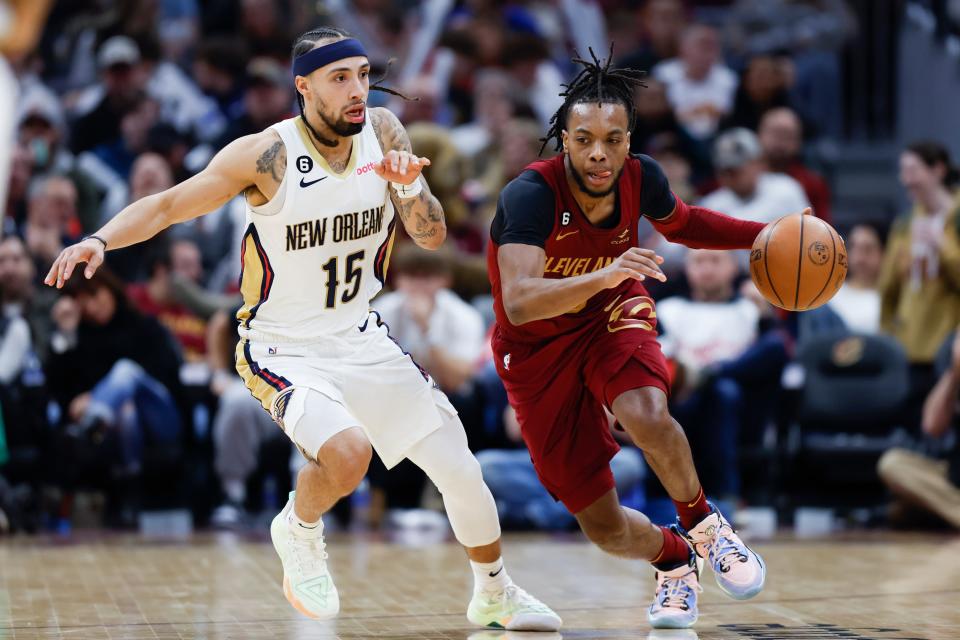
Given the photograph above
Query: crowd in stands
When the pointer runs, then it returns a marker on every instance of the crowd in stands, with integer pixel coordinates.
(123, 384)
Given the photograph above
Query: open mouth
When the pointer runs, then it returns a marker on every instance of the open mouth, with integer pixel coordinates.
(598, 178)
(356, 114)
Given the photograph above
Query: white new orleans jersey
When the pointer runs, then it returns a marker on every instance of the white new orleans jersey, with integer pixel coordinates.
(316, 253)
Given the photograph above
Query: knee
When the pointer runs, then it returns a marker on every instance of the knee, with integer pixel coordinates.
(608, 534)
(345, 459)
(464, 475)
(647, 420)
(890, 463)
(125, 369)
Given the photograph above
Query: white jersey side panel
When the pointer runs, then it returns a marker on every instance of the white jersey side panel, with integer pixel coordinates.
(314, 256)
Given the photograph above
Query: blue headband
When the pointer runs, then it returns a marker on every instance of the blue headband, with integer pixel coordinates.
(322, 56)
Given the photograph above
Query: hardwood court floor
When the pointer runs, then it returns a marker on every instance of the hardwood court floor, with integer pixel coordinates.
(881, 587)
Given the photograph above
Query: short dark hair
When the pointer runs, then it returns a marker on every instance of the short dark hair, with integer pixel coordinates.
(933, 153)
(103, 278)
(411, 260)
(596, 82)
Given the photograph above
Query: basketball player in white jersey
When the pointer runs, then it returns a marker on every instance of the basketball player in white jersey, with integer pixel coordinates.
(323, 193)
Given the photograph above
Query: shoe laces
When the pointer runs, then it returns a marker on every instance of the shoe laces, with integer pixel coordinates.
(726, 548)
(675, 593)
(310, 555)
(516, 598)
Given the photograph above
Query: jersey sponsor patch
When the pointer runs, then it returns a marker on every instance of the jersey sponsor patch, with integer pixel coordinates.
(304, 164)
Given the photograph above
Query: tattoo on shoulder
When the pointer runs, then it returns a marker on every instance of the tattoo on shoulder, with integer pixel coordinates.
(273, 161)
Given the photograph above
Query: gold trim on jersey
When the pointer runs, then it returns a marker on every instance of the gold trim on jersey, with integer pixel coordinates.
(319, 159)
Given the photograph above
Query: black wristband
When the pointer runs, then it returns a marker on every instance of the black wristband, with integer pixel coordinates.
(96, 237)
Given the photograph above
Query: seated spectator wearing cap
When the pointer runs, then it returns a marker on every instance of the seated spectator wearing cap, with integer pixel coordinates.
(268, 99)
(122, 83)
(747, 190)
(699, 86)
(781, 139)
(42, 131)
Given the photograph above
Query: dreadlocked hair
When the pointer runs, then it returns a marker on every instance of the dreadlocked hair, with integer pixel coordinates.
(309, 40)
(596, 82)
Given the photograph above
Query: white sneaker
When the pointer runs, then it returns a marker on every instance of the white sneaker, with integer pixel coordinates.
(513, 609)
(739, 570)
(675, 602)
(306, 581)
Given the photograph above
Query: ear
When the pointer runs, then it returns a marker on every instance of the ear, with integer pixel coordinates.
(300, 82)
(564, 137)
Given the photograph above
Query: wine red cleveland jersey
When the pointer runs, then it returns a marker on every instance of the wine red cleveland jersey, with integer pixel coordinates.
(538, 208)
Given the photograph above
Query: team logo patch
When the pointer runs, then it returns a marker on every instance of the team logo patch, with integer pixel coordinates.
(304, 164)
(506, 362)
(818, 253)
(633, 313)
(280, 407)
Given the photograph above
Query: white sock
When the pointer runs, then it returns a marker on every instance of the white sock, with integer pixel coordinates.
(303, 529)
(489, 576)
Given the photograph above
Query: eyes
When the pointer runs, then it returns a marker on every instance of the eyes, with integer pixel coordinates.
(610, 140)
(341, 77)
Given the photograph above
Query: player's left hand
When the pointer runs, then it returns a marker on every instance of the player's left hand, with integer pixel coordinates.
(401, 166)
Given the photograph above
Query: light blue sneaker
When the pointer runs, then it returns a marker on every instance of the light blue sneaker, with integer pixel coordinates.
(739, 570)
(675, 602)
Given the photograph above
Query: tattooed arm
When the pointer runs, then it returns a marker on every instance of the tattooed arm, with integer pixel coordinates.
(253, 164)
(422, 215)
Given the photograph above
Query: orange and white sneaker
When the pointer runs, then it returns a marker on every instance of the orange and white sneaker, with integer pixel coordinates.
(739, 570)
(511, 608)
(306, 580)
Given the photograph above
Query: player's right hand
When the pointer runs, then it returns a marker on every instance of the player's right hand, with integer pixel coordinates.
(89, 251)
(635, 263)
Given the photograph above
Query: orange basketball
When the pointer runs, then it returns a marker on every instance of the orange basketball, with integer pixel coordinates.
(798, 262)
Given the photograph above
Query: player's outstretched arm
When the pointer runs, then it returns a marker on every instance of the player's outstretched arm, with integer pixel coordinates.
(419, 210)
(528, 296)
(257, 160)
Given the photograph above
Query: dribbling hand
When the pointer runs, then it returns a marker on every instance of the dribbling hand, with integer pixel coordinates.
(89, 251)
(635, 263)
(401, 166)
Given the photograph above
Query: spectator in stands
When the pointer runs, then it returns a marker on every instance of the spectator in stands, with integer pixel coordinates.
(118, 155)
(106, 358)
(21, 171)
(527, 59)
(262, 23)
(443, 333)
(156, 298)
(715, 338)
(655, 118)
(51, 219)
(781, 138)
(662, 25)
(218, 69)
(42, 130)
(123, 83)
(857, 304)
(747, 189)
(20, 295)
(764, 85)
(699, 86)
(267, 99)
(920, 279)
(921, 482)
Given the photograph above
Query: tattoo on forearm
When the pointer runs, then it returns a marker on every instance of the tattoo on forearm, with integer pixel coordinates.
(272, 161)
(422, 216)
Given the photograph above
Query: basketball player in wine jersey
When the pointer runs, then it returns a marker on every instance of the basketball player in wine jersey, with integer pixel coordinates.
(576, 333)
(324, 191)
